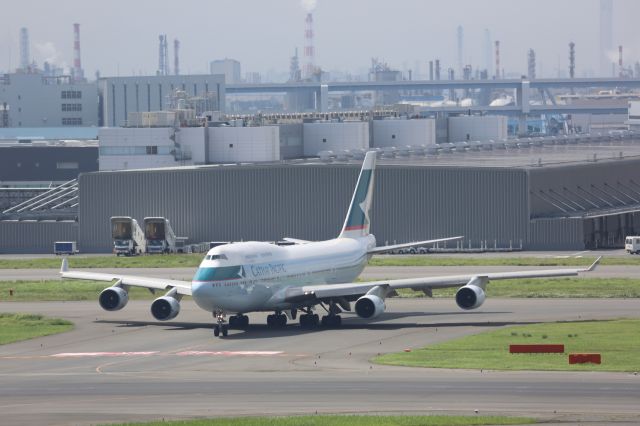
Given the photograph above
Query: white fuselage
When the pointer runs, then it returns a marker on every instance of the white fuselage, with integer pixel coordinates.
(255, 276)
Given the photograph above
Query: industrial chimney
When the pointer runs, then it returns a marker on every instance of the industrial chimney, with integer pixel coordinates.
(78, 73)
(309, 50)
(620, 65)
(497, 59)
(572, 60)
(176, 58)
(24, 49)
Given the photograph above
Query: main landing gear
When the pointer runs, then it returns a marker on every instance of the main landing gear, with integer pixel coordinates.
(277, 320)
(238, 321)
(220, 327)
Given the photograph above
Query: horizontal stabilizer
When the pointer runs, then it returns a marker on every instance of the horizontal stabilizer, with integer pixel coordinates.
(384, 249)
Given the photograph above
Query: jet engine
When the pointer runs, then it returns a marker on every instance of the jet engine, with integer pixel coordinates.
(370, 306)
(470, 297)
(113, 298)
(165, 308)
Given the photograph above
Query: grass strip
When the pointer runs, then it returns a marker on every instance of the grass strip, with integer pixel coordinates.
(74, 290)
(345, 420)
(62, 290)
(193, 260)
(431, 260)
(618, 341)
(550, 288)
(16, 327)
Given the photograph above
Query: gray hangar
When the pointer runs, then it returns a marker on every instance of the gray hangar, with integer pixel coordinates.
(561, 205)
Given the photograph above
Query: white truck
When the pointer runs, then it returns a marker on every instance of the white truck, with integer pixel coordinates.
(65, 247)
(632, 244)
(128, 238)
(159, 235)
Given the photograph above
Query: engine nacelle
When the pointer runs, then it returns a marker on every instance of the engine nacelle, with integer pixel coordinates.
(113, 298)
(470, 297)
(370, 306)
(165, 308)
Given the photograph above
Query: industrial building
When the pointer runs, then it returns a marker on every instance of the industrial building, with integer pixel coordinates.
(36, 100)
(550, 193)
(230, 68)
(121, 95)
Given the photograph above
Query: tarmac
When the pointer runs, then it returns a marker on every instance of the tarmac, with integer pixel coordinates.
(125, 366)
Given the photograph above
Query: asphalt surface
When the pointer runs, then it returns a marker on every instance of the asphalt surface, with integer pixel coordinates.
(124, 366)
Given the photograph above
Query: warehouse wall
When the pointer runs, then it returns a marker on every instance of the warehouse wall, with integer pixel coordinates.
(309, 202)
(35, 237)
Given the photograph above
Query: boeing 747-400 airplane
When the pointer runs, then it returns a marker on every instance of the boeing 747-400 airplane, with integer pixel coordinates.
(248, 277)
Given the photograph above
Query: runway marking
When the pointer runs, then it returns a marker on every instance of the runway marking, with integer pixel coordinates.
(99, 354)
(230, 353)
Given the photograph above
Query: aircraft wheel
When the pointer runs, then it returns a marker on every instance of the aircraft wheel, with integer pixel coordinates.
(225, 330)
(216, 330)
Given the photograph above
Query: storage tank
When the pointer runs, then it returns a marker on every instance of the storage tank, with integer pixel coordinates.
(477, 128)
(399, 132)
(334, 136)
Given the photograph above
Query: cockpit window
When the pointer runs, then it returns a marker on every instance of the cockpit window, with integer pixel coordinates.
(216, 257)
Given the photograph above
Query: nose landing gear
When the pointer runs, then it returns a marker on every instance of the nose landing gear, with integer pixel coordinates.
(220, 327)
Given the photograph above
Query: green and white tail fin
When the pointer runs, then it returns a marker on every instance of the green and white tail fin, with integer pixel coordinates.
(357, 222)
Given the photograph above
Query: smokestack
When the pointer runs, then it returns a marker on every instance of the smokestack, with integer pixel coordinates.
(160, 54)
(497, 59)
(572, 60)
(460, 48)
(309, 50)
(430, 70)
(487, 52)
(606, 35)
(166, 56)
(437, 69)
(25, 56)
(532, 64)
(78, 73)
(620, 67)
(176, 57)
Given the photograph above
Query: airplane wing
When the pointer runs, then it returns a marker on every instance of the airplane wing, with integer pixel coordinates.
(182, 287)
(384, 249)
(328, 291)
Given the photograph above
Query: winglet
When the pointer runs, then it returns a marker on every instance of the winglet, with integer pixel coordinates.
(65, 265)
(593, 265)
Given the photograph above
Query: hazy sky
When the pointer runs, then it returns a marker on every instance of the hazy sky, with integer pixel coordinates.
(121, 37)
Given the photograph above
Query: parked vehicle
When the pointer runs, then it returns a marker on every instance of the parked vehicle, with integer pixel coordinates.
(632, 244)
(65, 247)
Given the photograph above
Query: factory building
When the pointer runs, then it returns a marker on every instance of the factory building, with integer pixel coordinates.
(501, 203)
(121, 95)
(229, 67)
(123, 148)
(477, 128)
(334, 136)
(36, 100)
(395, 132)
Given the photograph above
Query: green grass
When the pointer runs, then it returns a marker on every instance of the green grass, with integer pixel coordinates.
(73, 290)
(61, 290)
(16, 327)
(436, 260)
(345, 420)
(618, 341)
(193, 260)
(110, 261)
(551, 287)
